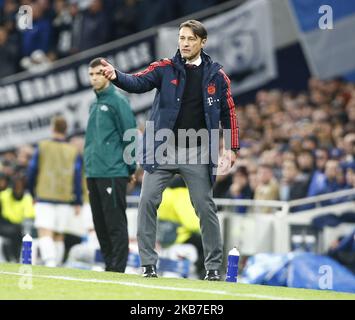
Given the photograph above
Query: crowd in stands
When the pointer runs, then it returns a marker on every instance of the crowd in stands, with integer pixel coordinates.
(294, 145)
(64, 27)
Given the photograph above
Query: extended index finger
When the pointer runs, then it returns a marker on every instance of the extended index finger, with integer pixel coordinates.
(104, 62)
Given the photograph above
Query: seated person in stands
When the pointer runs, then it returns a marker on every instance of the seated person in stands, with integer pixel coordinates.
(334, 181)
(267, 187)
(315, 178)
(291, 185)
(15, 207)
(178, 222)
(240, 188)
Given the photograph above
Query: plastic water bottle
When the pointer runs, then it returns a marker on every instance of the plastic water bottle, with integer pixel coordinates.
(232, 268)
(27, 249)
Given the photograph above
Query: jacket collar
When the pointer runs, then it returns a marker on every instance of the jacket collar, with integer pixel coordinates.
(210, 67)
(106, 92)
(197, 62)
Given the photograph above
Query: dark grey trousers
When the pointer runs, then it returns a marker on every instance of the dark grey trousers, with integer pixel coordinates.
(197, 179)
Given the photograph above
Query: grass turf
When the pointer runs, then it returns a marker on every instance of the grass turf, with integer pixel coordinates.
(64, 283)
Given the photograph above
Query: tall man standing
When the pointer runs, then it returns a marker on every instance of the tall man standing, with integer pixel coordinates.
(193, 93)
(107, 173)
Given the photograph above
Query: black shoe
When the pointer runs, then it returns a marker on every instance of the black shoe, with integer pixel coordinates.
(213, 275)
(150, 271)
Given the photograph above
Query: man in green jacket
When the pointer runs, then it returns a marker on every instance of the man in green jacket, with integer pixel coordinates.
(106, 171)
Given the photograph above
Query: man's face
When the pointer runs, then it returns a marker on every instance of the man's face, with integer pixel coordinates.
(97, 79)
(264, 175)
(190, 45)
(289, 171)
(331, 169)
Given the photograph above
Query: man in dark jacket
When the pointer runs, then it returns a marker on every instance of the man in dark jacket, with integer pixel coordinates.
(106, 171)
(193, 94)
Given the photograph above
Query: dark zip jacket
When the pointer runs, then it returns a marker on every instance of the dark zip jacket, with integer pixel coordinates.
(168, 76)
(110, 117)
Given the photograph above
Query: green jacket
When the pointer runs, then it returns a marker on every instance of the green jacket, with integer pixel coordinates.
(110, 116)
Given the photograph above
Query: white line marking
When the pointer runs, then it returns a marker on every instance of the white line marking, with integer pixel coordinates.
(149, 286)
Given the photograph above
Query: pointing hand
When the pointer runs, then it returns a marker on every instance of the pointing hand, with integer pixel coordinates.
(108, 70)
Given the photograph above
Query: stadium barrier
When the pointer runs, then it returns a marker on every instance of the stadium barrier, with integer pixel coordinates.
(280, 230)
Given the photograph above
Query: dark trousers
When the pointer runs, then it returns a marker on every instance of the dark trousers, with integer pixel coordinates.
(108, 205)
(199, 184)
(13, 234)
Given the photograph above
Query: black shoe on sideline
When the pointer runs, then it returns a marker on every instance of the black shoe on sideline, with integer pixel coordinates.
(213, 275)
(150, 271)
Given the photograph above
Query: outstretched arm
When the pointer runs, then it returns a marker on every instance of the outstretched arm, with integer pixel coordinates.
(143, 81)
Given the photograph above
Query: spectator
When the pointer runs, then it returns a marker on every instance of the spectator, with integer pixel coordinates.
(295, 144)
(252, 174)
(8, 12)
(290, 181)
(8, 54)
(23, 156)
(349, 170)
(94, 26)
(333, 180)
(61, 44)
(349, 147)
(310, 143)
(15, 207)
(315, 178)
(8, 167)
(188, 7)
(267, 187)
(240, 188)
(160, 11)
(125, 19)
(322, 156)
(76, 26)
(37, 38)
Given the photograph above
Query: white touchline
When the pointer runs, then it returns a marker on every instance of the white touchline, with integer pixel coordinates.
(130, 284)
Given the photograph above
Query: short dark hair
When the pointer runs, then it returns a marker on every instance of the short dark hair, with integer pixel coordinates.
(197, 28)
(243, 171)
(59, 124)
(96, 62)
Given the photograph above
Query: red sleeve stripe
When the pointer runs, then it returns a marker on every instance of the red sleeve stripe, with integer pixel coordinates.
(153, 66)
(232, 113)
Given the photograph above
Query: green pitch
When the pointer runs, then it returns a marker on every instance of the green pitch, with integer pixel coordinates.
(35, 282)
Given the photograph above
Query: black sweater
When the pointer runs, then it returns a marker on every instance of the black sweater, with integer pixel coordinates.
(191, 114)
